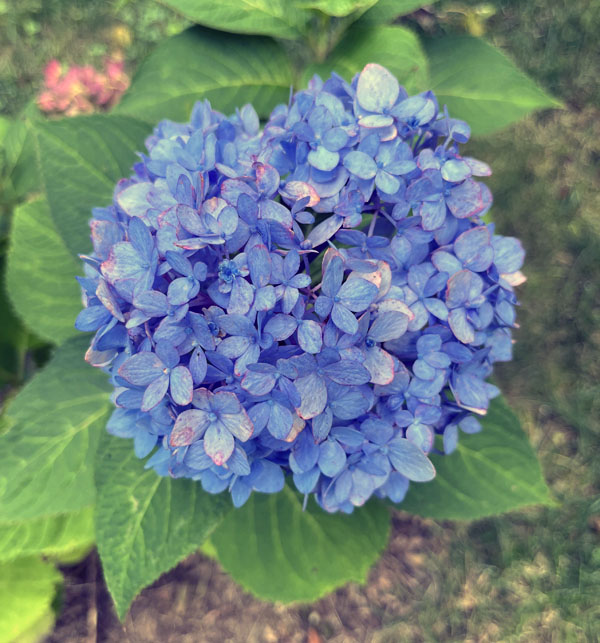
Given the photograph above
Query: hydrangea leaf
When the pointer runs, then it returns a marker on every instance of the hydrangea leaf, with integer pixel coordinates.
(146, 524)
(491, 472)
(20, 168)
(48, 450)
(387, 10)
(279, 18)
(27, 588)
(395, 47)
(480, 84)
(202, 64)
(82, 159)
(52, 536)
(40, 274)
(281, 553)
(337, 8)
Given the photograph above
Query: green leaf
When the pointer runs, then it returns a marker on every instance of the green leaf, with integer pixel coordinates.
(40, 274)
(47, 454)
(388, 10)
(279, 18)
(491, 472)
(480, 85)
(201, 64)
(279, 552)
(146, 524)
(81, 159)
(20, 155)
(337, 8)
(51, 536)
(395, 47)
(27, 589)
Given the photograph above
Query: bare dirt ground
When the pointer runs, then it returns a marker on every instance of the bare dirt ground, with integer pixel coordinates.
(198, 602)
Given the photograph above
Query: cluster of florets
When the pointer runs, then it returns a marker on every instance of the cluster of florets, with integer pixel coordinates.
(321, 299)
(82, 89)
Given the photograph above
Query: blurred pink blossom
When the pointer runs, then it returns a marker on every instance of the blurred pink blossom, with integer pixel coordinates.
(82, 89)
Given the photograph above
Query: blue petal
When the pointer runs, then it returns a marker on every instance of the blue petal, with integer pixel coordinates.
(388, 326)
(182, 385)
(344, 319)
(141, 369)
(259, 263)
(323, 159)
(281, 327)
(309, 336)
(280, 422)
(357, 294)
(306, 482)
(196, 457)
(313, 393)
(377, 88)
(155, 392)
(143, 443)
(268, 477)
(410, 461)
(92, 318)
(347, 372)
(332, 458)
(360, 164)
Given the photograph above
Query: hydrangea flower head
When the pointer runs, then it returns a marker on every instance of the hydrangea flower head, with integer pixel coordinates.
(320, 299)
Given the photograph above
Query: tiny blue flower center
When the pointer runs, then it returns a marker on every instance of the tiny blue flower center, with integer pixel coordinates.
(228, 271)
(369, 342)
(336, 299)
(214, 329)
(212, 417)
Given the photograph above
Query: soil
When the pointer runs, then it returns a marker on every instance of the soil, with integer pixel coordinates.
(197, 602)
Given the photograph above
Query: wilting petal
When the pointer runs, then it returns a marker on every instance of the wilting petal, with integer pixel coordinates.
(218, 443)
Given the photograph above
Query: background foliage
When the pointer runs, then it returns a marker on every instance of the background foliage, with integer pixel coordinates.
(503, 576)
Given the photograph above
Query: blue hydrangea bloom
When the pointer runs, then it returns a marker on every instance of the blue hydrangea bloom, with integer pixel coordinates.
(319, 299)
